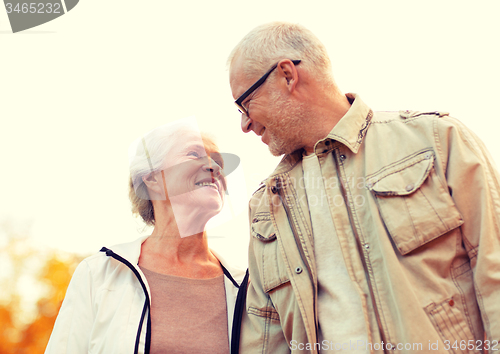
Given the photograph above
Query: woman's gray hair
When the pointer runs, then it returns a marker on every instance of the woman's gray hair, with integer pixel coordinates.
(267, 44)
(147, 155)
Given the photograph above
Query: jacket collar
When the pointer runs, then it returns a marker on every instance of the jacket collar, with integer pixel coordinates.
(350, 131)
(352, 127)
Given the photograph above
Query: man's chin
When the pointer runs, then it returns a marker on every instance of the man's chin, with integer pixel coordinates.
(276, 153)
(281, 146)
(278, 150)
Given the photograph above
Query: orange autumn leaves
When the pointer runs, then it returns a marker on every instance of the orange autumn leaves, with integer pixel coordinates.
(33, 283)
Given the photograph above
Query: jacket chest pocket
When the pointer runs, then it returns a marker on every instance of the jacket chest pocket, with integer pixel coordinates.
(273, 269)
(415, 206)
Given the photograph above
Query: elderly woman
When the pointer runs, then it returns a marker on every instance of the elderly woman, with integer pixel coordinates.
(168, 292)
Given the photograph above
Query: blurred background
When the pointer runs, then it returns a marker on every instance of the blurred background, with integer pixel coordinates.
(77, 91)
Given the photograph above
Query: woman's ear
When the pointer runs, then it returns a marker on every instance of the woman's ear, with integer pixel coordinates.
(148, 179)
(155, 184)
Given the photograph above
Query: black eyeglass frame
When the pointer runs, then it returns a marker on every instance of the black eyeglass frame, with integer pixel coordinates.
(258, 83)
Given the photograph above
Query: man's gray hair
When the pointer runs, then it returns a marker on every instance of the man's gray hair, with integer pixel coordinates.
(267, 44)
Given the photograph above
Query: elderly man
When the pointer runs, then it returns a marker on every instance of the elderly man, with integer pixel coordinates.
(378, 231)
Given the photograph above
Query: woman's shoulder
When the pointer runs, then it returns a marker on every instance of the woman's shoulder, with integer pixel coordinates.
(94, 267)
(112, 261)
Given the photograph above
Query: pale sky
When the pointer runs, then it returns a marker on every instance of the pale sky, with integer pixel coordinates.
(75, 93)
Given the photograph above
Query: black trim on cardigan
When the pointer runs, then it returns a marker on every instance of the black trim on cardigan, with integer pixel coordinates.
(147, 304)
(238, 315)
(229, 276)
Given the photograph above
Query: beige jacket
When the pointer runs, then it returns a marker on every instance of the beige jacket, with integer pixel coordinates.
(421, 238)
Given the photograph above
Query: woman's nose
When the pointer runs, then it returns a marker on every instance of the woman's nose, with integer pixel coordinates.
(211, 166)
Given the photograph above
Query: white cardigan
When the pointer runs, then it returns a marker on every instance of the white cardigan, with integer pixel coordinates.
(106, 308)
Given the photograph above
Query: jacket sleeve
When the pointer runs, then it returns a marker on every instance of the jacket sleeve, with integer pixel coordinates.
(75, 319)
(474, 185)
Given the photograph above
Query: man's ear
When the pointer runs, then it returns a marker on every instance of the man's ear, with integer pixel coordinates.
(288, 71)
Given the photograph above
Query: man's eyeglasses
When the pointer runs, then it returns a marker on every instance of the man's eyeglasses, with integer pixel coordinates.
(239, 101)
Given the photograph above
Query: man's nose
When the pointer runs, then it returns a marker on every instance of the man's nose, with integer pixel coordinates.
(246, 123)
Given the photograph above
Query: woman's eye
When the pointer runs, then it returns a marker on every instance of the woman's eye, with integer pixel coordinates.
(193, 153)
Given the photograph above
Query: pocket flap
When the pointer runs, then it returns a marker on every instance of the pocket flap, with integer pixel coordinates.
(414, 204)
(273, 269)
(262, 228)
(402, 178)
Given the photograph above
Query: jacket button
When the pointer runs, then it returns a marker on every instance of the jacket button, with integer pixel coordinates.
(327, 142)
(298, 270)
(254, 220)
(451, 302)
(342, 157)
(274, 189)
(409, 187)
(367, 246)
(428, 156)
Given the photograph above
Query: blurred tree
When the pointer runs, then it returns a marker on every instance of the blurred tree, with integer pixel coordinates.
(6, 323)
(29, 275)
